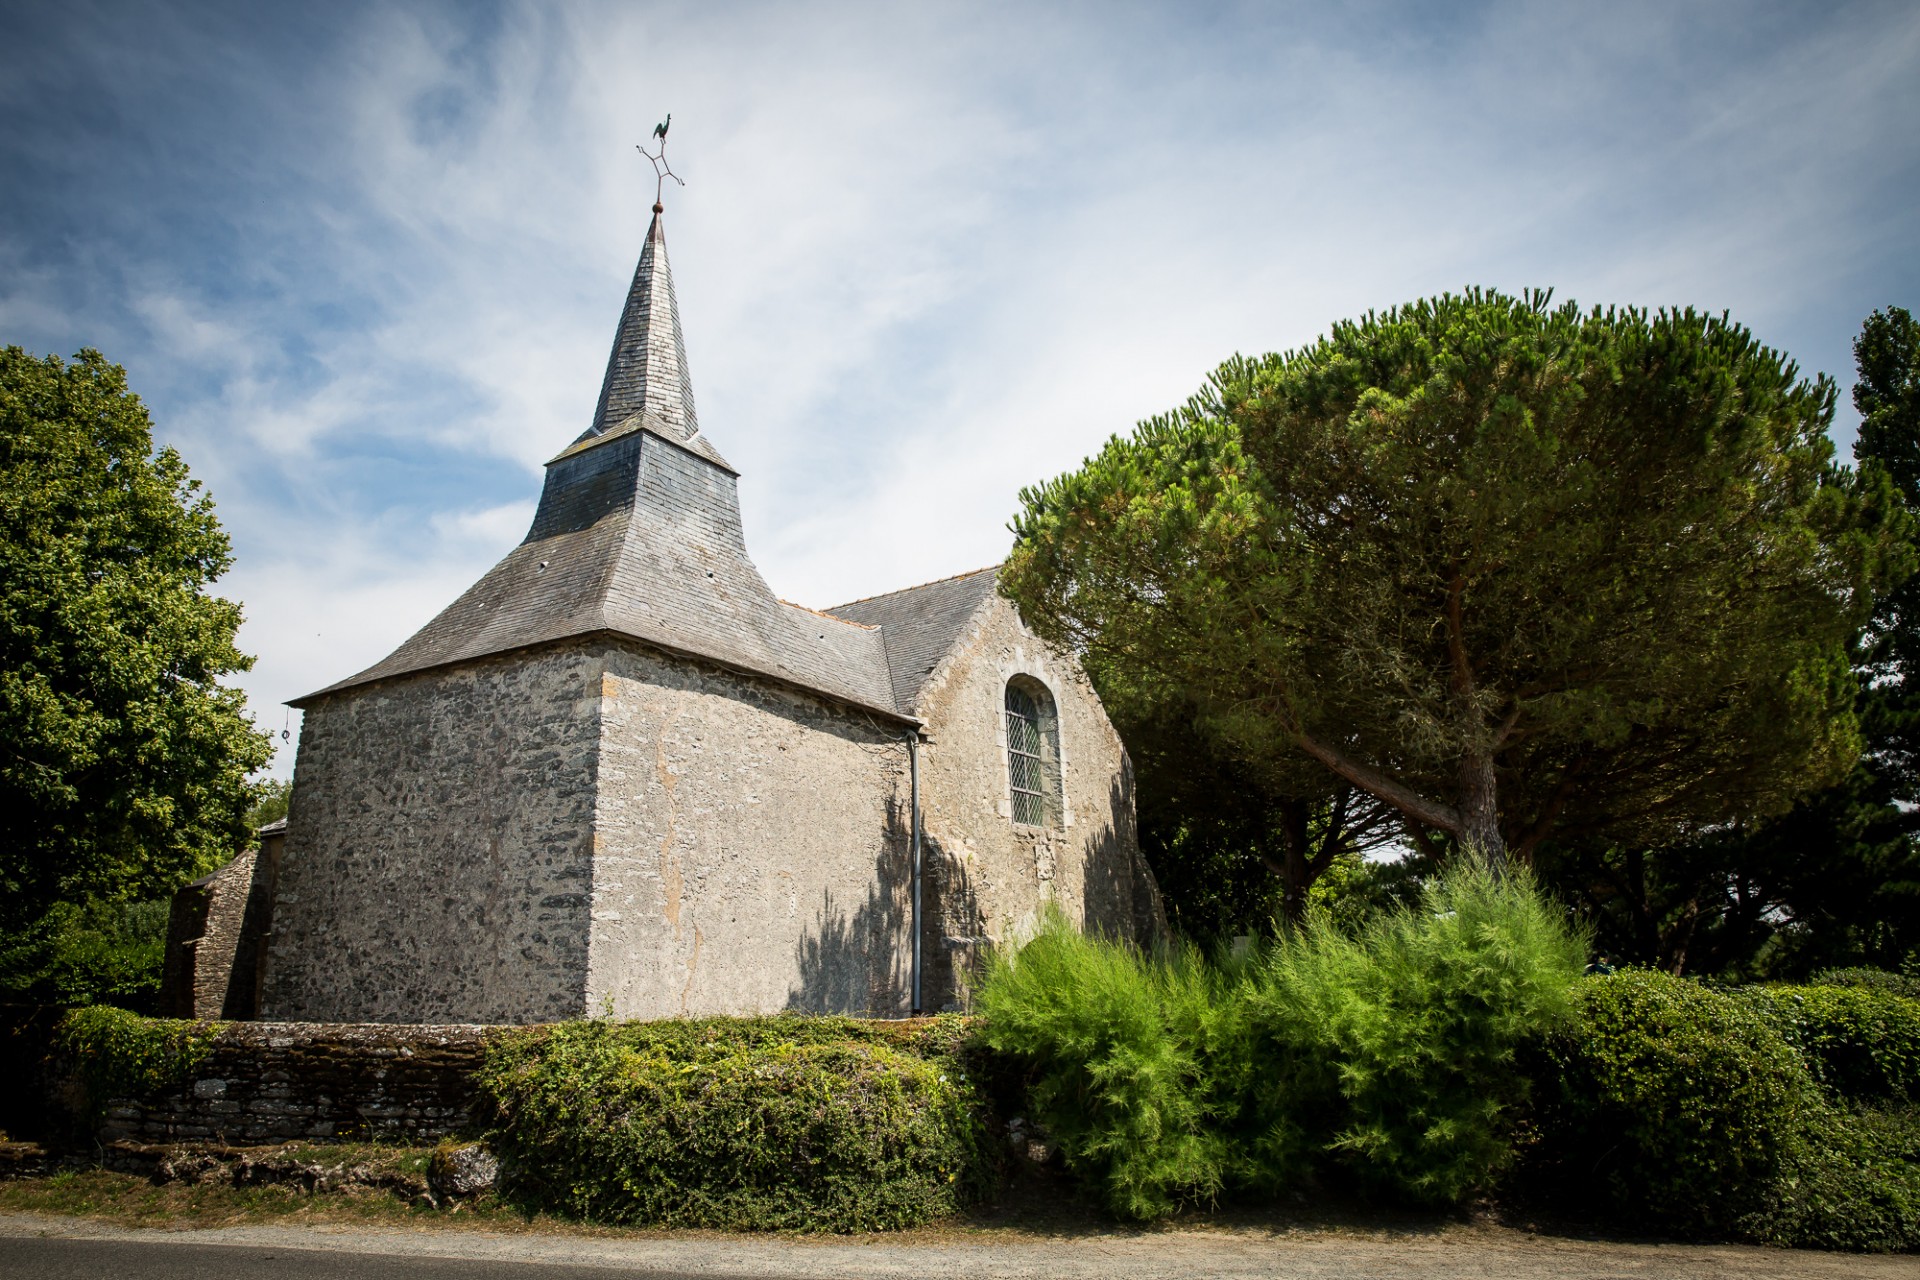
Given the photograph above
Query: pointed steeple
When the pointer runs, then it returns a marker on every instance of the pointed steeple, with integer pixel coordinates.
(638, 534)
(647, 372)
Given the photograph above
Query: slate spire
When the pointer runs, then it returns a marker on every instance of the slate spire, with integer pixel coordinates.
(638, 535)
(647, 372)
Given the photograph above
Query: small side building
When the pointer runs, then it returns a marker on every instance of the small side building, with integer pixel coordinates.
(217, 930)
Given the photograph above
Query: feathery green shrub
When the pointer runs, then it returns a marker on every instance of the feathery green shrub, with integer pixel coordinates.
(1862, 1042)
(1670, 1103)
(1389, 1054)
(1393, 1050)
(783, 1123)
(1118, 1046)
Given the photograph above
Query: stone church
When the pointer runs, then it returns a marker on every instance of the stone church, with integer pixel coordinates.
(620, 775)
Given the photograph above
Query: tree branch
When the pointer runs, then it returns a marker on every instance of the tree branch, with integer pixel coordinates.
(1400, 796)
(1421, 840)
(1463, 682)
(1505, 733)
(1548, 812)
(1334, 837)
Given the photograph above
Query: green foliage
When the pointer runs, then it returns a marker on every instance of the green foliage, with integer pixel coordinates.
(1514, 569)
(1835, 881)
(1122, 1049)
(1355, 889)
(1670, 1103)
(1899, 984)
(87, 953)
(1886, 356)
(117, 1054)
(1389, 1055)
(787, 1123)
(1206, 822)
(1849, 1179)
(1862, 1043)
(271, 805)
(123, 760)
(1235, 843)
(1394, 1049)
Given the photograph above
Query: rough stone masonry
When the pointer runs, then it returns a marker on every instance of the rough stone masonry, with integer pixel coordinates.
(619, 775)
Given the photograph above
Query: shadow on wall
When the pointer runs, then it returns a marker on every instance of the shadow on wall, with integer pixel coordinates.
(955, 931)
(1117, 886)
(857, 962)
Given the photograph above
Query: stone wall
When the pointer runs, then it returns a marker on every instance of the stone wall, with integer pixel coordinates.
(751, 847)
(447, 858)
(216, 929)
(273, 1082)
(988, 877)
(438, 855)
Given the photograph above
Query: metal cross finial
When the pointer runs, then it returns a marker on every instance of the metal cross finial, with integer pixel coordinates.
(661, 169)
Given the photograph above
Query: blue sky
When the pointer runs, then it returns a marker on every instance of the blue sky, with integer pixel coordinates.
(364, 262)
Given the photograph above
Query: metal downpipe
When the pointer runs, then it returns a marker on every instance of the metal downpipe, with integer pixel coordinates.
(913, 772)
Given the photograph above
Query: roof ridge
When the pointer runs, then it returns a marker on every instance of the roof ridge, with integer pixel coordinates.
(918, 586)
(822, 613)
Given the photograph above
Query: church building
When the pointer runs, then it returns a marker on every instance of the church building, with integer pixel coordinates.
(620, 775)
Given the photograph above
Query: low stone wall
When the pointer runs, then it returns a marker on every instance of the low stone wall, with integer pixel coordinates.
(276, 1081)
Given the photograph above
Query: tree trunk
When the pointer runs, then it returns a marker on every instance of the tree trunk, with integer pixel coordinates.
(1646, 930)
(1296, 875)
(1675, 961)
(1480, 810)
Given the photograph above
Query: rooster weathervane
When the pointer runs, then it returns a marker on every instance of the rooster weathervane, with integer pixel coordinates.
(661, 169)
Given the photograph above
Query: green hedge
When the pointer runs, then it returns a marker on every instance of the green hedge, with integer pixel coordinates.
(1674, 1105)
(1899, 984)
(1670, 1103)
(1849, 1179)
(1862, 1042)
(784, 1123)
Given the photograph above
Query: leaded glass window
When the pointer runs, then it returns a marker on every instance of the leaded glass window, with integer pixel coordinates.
(1033, 755)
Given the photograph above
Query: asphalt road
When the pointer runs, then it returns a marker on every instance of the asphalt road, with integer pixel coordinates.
(56, 1259)
(34, 1245)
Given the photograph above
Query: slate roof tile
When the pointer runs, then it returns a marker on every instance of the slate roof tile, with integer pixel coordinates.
(920, 625)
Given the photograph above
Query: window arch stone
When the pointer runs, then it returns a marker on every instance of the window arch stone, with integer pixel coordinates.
(1033, 753)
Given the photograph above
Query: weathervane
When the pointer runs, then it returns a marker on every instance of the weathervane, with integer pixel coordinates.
(661, 169)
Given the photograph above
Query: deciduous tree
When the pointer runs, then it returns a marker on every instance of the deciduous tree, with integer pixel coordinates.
(123, 759)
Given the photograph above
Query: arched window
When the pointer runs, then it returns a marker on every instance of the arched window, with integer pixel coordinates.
(1033, 753)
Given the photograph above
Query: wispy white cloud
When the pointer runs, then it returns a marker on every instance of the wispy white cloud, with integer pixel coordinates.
(926, 254)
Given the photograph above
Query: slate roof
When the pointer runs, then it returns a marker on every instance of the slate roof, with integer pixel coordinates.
(638, 534)
(648, 366)
(920, 625)
(647, 386)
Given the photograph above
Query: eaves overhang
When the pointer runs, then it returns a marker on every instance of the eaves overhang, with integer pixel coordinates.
(890, 714)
